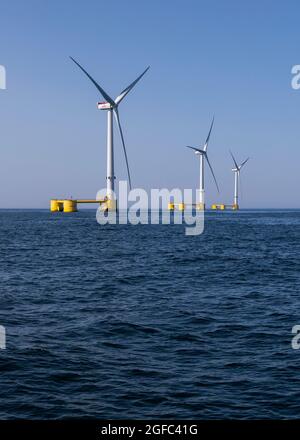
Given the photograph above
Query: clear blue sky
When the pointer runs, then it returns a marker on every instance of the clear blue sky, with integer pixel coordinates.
(232, 59)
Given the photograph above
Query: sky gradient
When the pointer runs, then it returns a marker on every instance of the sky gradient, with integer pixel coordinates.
(230, 59)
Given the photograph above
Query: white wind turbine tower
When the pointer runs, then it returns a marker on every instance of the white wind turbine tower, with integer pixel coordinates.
(112, 108)
(202, 153)
(237, 169)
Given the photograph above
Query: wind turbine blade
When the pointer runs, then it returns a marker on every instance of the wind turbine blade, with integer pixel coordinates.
(244, 163)
(212, 171)
(116, 113)
(103, 93)
(130, 87)
(209, 133)
(234, 161)
(195, 149)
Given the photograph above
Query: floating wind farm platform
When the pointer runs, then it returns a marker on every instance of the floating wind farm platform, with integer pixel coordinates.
(70, 205)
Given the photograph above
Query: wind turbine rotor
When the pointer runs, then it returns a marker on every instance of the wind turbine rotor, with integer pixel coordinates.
(238, 167)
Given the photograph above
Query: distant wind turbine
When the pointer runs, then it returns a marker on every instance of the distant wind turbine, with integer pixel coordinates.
(202, 153)
(237, 168)
(112, 108)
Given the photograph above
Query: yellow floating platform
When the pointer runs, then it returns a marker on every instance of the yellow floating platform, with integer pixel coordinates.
(218, 206)
(70, 205)
(183, 206)
(222, 207)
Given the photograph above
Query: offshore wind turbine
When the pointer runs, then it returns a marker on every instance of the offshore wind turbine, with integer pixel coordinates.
(111, 105)
(202, 153)
(237, 169)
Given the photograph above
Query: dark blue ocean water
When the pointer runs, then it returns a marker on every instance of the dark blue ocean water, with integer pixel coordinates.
(144, 322)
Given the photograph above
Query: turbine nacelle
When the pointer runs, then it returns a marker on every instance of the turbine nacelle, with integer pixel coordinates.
(200, 152)
(104, 106)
